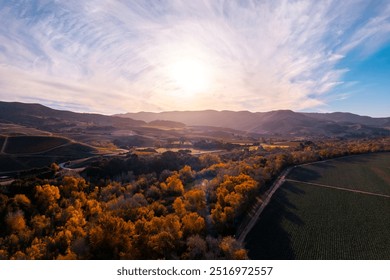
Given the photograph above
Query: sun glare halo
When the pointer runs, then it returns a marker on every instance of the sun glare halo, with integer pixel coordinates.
(190, 75)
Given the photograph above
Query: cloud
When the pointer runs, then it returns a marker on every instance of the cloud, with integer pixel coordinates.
(116, 56)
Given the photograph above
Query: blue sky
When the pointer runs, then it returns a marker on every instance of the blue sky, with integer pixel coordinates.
(127, 56)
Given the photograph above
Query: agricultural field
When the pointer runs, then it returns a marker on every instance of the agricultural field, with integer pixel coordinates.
(52, 149)
(33, 144)
(305, 221)
(369, 173)
(74, 150)
(11, 129)
(8, 163)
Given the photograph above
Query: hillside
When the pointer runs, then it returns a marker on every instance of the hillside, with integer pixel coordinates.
(283, 122)
(18, 153)
(350, 118)
(156, 125)
(42, 117)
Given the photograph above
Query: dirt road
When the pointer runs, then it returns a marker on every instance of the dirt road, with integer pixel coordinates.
(338, 188)
(246, 228)
(4, 145)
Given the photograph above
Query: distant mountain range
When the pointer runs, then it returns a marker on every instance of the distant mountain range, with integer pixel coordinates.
(280, 122)
(283, 122)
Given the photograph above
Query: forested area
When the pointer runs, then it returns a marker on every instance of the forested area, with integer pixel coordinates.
(169, 206)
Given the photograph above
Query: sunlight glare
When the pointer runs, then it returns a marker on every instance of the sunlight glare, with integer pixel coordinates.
(191, 75)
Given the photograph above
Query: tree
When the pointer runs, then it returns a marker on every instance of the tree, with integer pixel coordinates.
(37, 250)
(193, 224)
(22, 201)
(179, 207)
(40, 225)
(54, 167)
(232, 249)
(15, 221)
(196, 248)
(161, 235)
(72, 184)
(173, 185)
(111, 238)
(47, 196)
(186, 174)
(75, 222)
(195, 200)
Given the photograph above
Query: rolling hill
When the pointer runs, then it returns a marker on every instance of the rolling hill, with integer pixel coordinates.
(283, 122)
(45, 118)
(279, 122)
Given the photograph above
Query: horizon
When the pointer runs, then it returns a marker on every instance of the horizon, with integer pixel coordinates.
(173, 111)
(116, 58)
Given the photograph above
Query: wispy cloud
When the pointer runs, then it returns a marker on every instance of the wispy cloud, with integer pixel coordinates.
(115, 56)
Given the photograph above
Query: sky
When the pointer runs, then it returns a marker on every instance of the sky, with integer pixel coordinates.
(119, 56)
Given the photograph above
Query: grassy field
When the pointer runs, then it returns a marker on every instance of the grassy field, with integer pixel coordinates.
(33, 144)
(311, 222)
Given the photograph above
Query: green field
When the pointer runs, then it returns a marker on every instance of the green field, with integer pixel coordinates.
(312, 222)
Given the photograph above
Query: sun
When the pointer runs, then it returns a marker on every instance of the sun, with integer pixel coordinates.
(190, 75)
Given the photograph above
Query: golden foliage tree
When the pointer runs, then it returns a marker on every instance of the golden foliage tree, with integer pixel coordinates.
(15, 221)
(193, 224)
(173, 185)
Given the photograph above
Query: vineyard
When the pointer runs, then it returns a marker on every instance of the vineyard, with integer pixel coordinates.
(306, 221)
(365, 172)
(27, 152)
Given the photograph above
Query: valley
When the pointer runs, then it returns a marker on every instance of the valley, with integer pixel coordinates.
(88, 186)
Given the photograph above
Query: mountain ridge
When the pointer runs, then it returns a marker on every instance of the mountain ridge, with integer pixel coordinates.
(277, 122)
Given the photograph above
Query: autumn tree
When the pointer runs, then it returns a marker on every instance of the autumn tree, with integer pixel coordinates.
(186, 174)
(193, 224)
(196, 248)
(110, 238)
(47, 197)
(72, 184)
(173, 186)
(232, 249)
(40, 225)
(179, 207)
(159, 237)
(195, 200)
(15, 221)
(233, 195)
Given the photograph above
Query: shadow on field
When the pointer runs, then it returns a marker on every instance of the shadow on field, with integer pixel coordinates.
(305, 174)
(268, 239)
(358, 158)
